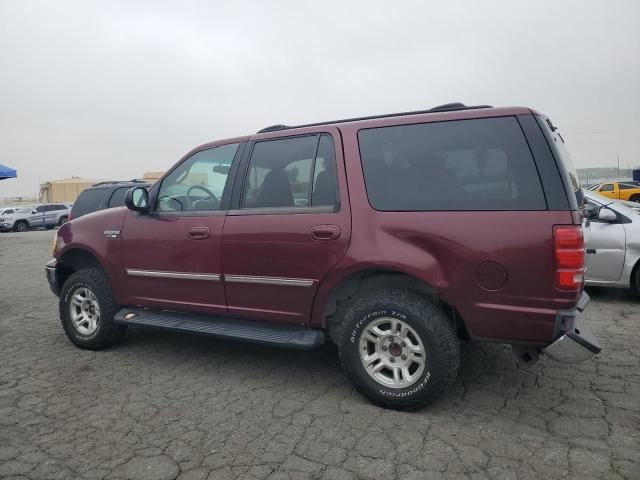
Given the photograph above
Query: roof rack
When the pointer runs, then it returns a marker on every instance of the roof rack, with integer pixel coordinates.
(115, 182)
(447, 107)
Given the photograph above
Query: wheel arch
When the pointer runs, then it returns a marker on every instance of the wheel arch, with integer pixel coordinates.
(75, 259)
(371, 278)
(363, 280)
(633, 281)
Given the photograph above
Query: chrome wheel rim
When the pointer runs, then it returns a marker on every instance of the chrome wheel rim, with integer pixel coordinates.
(84, 311)
(392, 353)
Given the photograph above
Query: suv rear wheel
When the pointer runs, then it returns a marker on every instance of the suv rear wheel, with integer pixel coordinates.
(62, 220)
(398, 347)
(87, 307)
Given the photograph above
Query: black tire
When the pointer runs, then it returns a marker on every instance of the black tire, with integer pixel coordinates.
(62, 221)
(428, 321)
(635, 198)
(107, 333)
(21, 226)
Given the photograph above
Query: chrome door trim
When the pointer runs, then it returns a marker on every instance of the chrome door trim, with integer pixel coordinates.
(284, 282)
(212, 277)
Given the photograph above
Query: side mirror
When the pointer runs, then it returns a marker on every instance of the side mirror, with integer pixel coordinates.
(591, 211)
(34, 211)
(607, 215)
(137, 199)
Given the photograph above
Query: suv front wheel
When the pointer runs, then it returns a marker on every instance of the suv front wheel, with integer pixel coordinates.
(399, 348)
(87, 307)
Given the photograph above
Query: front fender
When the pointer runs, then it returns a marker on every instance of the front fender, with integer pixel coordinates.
(98, 234)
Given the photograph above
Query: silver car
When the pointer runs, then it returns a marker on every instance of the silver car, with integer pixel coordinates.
(46, 215)
(612, 239)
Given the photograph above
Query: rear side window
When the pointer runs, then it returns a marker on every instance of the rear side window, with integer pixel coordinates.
(89, 201)
(117, 198)
(627, 186)
(482, 164)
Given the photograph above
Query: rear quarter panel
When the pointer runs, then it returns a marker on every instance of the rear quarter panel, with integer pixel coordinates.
(448, 251)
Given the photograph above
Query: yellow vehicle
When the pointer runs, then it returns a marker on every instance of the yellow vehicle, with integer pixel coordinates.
(619, 190)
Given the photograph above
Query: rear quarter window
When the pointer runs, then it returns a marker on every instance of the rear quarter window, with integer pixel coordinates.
(89, 201)
(479, 164)
(117, 198)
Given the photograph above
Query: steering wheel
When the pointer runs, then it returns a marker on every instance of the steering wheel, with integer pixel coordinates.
(210, 196)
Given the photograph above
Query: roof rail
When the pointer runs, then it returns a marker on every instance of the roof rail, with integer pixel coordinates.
(448, 107)
(273, 128)
(115, 182)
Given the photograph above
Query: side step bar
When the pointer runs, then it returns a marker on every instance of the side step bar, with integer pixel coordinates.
(299, 338)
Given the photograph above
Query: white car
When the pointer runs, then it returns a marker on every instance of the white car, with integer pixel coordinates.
(612, 239)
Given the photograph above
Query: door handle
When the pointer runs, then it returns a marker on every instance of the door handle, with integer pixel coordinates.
(325, 232)
(198, 233)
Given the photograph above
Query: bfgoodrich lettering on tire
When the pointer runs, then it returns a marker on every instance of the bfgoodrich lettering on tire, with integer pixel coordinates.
(87, 308)
(398, 347)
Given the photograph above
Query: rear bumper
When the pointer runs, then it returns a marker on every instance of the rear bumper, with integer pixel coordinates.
(577, 343)
(52, 277)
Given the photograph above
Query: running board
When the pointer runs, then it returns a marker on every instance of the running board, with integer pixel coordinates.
(299, 338)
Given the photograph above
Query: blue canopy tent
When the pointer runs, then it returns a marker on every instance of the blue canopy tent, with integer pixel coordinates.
(6, 172)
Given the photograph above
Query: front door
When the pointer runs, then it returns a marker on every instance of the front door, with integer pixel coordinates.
(605, 250)
(289, 225)
(172, 255)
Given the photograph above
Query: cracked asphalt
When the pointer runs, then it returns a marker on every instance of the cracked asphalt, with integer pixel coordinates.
(165, 406)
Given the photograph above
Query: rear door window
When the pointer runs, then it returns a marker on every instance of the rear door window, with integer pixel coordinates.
(480, 164)
(295, 172)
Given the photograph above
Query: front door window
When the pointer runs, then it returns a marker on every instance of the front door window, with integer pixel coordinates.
(198, 183)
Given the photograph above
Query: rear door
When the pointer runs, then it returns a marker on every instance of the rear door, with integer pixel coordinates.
(289, 224)
(172, 255)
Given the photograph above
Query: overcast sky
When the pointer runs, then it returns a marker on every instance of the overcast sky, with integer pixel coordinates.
(111, 89)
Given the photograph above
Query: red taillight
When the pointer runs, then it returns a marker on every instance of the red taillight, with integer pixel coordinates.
(568, 246)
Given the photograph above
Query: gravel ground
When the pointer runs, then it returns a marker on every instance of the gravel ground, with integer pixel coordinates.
(164, 406)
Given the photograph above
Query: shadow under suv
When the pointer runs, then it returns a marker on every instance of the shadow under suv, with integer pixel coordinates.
(393, 235)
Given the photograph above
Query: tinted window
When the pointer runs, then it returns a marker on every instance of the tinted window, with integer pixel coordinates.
(89, 201)
(458, 165)
(627, 186)
(198, 183)
(41, 208)
(607, 187)
(117, 198)
(291, 172)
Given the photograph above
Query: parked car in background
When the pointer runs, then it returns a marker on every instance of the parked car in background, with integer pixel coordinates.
(103, 195)
(394, 235)
(48, 215)
(612, 239)
(16, 219)
(619, 190)
(7, 210)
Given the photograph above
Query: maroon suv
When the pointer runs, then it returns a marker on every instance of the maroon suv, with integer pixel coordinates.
(394, 235)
